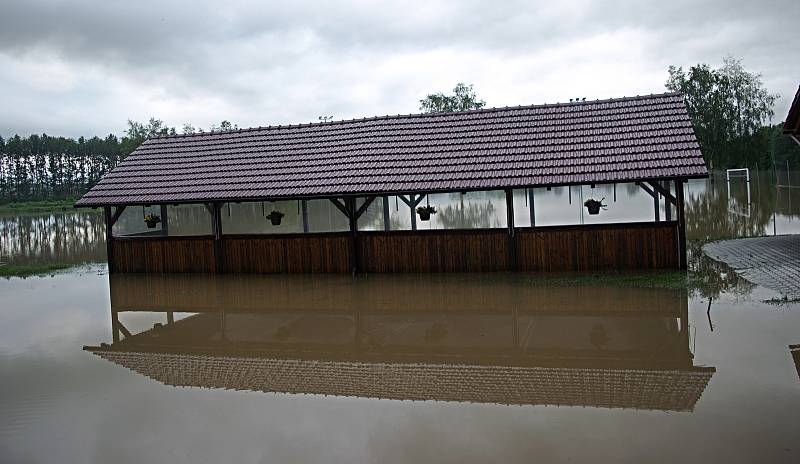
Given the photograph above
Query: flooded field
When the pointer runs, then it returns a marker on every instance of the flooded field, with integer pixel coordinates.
(433, 368)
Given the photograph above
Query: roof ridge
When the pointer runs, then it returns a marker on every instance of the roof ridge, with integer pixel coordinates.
(419, 115)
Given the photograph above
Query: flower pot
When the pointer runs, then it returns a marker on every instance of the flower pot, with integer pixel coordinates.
(426, 216)
(151, 224)
(593, 209)
(275, 220)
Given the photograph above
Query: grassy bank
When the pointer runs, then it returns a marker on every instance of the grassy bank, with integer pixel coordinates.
(28, 270)
(44, 206)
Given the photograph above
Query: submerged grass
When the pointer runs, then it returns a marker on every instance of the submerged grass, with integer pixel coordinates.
(29, 270)
(44, 206)
(669, 279)
(784, 301)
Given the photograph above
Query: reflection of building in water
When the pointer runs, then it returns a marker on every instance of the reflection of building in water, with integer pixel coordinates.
(795, 350)
(450, 339)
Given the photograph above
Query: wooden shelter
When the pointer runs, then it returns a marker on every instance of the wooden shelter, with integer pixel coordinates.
(518, 344)
(647, 140)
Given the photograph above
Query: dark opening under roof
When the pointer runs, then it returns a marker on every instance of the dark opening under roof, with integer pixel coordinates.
(617, 140)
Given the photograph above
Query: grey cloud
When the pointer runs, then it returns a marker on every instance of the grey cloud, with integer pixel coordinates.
(256, 58)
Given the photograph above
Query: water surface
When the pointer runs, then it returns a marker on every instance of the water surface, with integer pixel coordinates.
(439, 368)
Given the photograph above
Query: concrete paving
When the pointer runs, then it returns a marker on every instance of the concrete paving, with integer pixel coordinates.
(772, 262)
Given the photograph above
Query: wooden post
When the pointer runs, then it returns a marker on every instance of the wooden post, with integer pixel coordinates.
(387, 225)
(656, 206)
(512, 242)
(164, 221)
(413, 206)
(219, 261)
(304, 211)
(667, 203)
(351, 214)
(531, 207)
(109, 238)
(681, 225)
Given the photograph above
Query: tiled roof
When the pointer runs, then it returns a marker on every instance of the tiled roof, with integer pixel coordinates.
(617, 140)
(668, 390)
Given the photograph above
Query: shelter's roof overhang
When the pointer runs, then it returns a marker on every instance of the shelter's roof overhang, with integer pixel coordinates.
(792, 124)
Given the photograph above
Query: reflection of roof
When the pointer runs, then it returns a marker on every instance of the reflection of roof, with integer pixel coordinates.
(670, 390)
(450, 338)
(616, 140)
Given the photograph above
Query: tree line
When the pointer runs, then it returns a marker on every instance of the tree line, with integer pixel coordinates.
(43, 167)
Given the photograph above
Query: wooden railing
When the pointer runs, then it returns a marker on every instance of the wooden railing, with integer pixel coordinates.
(625, 246)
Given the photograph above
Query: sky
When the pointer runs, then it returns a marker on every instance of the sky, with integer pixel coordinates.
(83, 68)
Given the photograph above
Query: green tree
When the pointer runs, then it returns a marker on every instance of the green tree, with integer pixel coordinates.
(728, 107)
(463, 98)
(138, 133)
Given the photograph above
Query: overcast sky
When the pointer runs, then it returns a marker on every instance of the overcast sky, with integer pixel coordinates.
(84, 67)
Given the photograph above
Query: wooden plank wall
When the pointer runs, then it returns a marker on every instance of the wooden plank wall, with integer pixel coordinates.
(164, 254)
(543, 249)
(632, 246)
(434, 251)
(295, 253)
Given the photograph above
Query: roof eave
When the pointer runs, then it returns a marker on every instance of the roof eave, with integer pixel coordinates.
(81, 204)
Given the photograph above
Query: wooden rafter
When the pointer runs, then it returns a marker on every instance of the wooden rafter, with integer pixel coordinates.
(338, 204)
(660, 189)
(117, 213)
(364, 207)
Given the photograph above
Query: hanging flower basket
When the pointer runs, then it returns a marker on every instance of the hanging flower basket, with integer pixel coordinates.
(275, 217)
(594, 206)
(425, 212)
(151, 220)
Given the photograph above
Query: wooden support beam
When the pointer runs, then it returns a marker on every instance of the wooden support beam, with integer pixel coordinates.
(164, 220)
(341, 207)
(647, 189)
(663, 191)
(109, 238)
(354, 254)
(512, 241)
(216, 217)
(170, 317)
(656, 208)
(304, 212)
(117, 213)
(531, 207)
(387, 223)
(209, 208)
(681, 225)
(367, 201)
(654, 194)
(412, 202)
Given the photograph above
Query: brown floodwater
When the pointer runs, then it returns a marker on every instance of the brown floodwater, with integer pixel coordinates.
(398, 368)
(445, 368)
